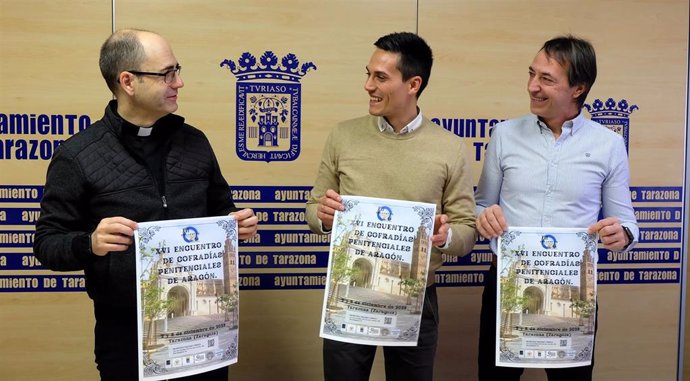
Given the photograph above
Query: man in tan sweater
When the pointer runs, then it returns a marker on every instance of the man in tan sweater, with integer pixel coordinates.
(397, 153)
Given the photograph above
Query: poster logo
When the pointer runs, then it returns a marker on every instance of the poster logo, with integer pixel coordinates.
(190, 234)
(548, 242)
(615, 116)
(268, 103)
(384, 213)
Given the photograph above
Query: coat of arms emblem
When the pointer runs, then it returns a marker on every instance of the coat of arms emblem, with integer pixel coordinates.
(268, 104)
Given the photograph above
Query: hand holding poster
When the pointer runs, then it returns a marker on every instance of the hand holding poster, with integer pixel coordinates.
(377, 270)
(188, 298)
(546, 295)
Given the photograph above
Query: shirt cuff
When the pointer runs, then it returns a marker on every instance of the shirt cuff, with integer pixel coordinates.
(323, 230)
(448, 239)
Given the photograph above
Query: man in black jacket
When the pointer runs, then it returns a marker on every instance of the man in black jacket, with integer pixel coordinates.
(141, 163)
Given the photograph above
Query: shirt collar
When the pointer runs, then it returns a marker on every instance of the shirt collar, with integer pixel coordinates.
(384, 126)
(578, 121)
(569, 126)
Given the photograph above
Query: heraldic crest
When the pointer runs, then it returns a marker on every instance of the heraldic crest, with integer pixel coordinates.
(268, 104)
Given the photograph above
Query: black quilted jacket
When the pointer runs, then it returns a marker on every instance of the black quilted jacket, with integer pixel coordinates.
(93, 175)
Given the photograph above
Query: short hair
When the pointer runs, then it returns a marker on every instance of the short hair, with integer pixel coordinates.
(416, 57)
(577, 56)
(120, 52)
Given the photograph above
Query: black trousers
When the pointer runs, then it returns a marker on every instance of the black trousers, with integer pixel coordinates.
(116, 347)
(353, 362)
(488, 371)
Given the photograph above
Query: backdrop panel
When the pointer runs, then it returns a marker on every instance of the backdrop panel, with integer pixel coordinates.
(279, 325)
(483, 51)
(52, 88)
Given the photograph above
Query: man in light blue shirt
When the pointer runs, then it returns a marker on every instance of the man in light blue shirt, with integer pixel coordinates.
(552, 168)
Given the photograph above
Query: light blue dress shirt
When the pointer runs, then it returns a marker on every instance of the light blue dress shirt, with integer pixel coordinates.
(541, 181)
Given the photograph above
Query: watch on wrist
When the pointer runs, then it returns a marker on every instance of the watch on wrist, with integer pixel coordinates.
(628, 234)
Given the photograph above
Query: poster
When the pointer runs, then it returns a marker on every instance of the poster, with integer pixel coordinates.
(377, 270)
(187, 299)
(546, 295)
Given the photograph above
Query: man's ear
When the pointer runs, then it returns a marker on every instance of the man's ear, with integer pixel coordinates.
(415, 83)
(579, 90)
(126, 80)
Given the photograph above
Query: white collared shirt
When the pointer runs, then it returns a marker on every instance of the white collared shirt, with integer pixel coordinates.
(413, 125)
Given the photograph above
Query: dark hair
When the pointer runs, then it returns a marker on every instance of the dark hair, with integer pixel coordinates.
(415, 55)
(578, 58)
(120, 52)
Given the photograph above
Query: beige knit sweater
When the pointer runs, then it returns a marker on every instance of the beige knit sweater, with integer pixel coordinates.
(427, 165)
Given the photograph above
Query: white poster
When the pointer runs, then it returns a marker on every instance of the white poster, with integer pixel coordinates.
(377, 270)
(546, 293)
(187, 297)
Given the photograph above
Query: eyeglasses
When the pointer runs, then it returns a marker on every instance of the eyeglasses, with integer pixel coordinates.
(169, 75)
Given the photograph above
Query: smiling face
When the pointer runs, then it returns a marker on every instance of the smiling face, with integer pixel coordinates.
(552, 98)
(389, 95)
(148, 98)
(155, 97)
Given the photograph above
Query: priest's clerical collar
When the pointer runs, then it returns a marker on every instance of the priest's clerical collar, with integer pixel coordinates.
(145, 131)
(134, 130)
